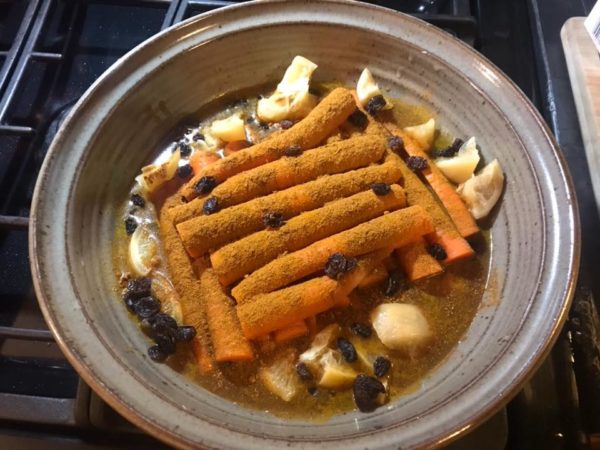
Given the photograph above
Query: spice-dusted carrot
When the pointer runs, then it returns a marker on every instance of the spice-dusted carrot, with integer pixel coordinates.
(290, 332)
(206, 232)
(269, 312)
(200, 159)
(285, 172)
(308, 133)
(462, 218)
(187, 286)
(285, 307)
(416, 262)
(396, 229)
(229, 344)
(239, 258)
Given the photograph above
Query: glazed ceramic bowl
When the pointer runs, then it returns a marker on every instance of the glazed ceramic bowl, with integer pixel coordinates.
(116, 126)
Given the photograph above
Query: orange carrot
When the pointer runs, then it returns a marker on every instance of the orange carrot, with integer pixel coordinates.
(311, 323)
(187, 286)
(200, 159)
(331, 112)
(416, 261)
(290, 332)
(462, 218)
(280, 309)
(241, 257)
(395, 229)
(228, 341)
(290, 171)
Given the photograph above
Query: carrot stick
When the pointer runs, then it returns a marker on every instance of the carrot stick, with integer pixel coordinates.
(269, 312)
(239, 258)
(205, 232)
(235, 146)
(228, 342)
(187, 286)
(395, 229)
(285, 307)
(331, 112)
(311, 323)
(289, 171)
(416, 261)
(290, 332)
(462, 218)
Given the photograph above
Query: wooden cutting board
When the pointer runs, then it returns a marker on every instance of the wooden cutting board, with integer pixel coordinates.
(583, 63)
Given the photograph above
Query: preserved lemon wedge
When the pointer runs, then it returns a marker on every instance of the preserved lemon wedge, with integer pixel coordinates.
(460, 168)
(367, 88)
(164, 290)
(280, 377)
(319, 345)
(143, 250)
(482, 191)
(154, 176)
(423, 133)
(291, 99)
(336, 374)
(229, 129)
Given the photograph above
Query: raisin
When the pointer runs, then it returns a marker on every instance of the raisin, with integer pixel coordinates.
(211, 205)
(130, 303)
(147, 307)
(138, 287)
(156, 354)
(416, 163)
(205, 185)
(367, 392)
(303, 372)
(361, 329)
(263, 126)
(359, 119)
(294, 150)
(146, 326)
(138, 200)
(338, 264)
(184, 150)
(163, 324)
(286, 124)
(273, 220)
(395, 143)
(437, 251)
(449, 152)
(186, 333)
(165, 343)
(250, 119)
(381, 366)
(375, 104)
(347, 349)
(313, 391)
(381, 188)
(393, 284)
(130, 225)
(198, 137)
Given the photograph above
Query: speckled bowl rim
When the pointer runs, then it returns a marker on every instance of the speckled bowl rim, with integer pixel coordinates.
(173, 437)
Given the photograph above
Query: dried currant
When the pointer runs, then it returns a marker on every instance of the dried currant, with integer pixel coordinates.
(375, 104)
(395, 143)
(450, 151)
(393, 284)
(416, 163)
(368, 393)
(147, 307)
(184, 171)
(211, 206)
(303, 371)
(130, 225)
(381, 366)
(138, 200)
(293, 150)
(186, 333)
(273, 220)
(184, 149)
(156, 354)
(338, 264)
(381, 188)
(347, 349)
(205, 185)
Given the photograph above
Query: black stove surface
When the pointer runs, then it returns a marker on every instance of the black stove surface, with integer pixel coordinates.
(52, 50)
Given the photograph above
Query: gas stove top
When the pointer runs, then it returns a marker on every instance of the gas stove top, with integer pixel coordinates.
(52, 50)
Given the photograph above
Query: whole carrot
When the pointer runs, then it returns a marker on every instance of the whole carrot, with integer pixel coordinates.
(332, 111)
(395, 229)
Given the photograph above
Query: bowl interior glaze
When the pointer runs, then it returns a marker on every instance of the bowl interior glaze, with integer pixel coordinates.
(115, 129)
